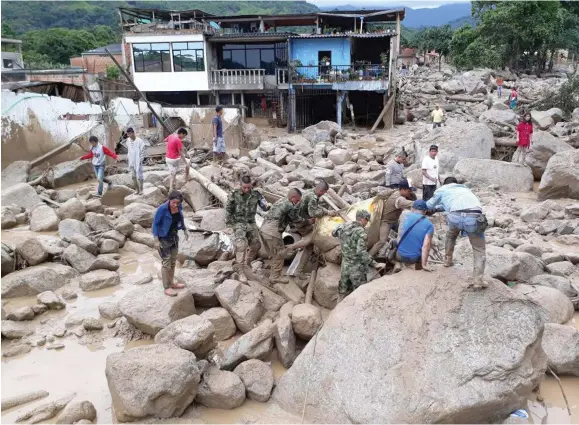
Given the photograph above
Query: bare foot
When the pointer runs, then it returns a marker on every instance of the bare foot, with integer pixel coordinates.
(170, 292)
(177, 286)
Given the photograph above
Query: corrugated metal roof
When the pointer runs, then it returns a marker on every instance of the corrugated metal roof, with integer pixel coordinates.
(353, 35)
(113, 48)
(242, 35)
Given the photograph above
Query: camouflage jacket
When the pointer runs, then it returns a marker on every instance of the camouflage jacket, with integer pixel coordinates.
(309, 207)
(241, 208)
(354, 242)
(283, 212)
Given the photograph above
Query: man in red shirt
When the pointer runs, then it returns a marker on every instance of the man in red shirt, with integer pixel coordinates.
(176, 152)
(524, 131)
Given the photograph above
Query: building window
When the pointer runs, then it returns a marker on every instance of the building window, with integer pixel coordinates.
(254, 56)
(8, 63)
(188, 57)
(152, 57)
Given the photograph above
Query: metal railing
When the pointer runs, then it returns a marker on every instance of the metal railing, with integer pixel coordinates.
(237, 77)
(324, 74)
(282, 75)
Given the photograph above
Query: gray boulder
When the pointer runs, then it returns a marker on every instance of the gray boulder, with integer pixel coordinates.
(258, 379)
(220, 389)
(32, 250)
(22, 195)
(202, 285)
(499, 116)
(507, 176)
(99, 279)
(150, 310)
(108, 246)
(561, 268)
(256, 344)
(561, 177)
(142, 385)
(151, 196)
(76, 411)
(70, 172)
(193, 333)
(8, 218)
(7, 260)
(203, 250)
(244, 304)
(145, 239)
(20, 314)
(306, 320)
(85, 243)
(222, 322)
(43, 219)
(285, 340)
(36, 279)
(15, 173)
(554, 306)
(98, 222)
(51, 300)
(561, 345)
(556, 282)
(73, 208)
(140, 214)
(69, 227)
(544, 146)
(110, 310)
(116, 195)
(496, 371)
(124, 226)
(81, 260)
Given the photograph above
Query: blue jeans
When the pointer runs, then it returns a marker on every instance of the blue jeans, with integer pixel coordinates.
(99, 171)
(467, 222)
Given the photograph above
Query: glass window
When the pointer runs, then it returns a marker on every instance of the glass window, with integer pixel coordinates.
(253, 60)
(188, 57)
(268, 61)
(254, 56)
(152, 57)
(238, 59)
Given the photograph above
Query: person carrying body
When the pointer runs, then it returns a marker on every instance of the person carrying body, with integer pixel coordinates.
(415, 237)
(430, 170)
(98, 153)
(218, 141)
(175, 153)
(464, 213)
(135, 156)
(240, 219)
(167, 222)
(280, 215)
(355, 257)
(395, 171)
(392, 207)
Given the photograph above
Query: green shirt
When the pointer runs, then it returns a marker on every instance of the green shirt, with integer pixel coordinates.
(354, 243)
(283, 212)
(241, 207)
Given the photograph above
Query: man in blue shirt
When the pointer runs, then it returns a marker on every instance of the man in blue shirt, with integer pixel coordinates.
(218, 141)
(464, 213)
(415, 236)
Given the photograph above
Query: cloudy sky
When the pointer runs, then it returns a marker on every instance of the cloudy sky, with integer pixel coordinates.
(415, 4)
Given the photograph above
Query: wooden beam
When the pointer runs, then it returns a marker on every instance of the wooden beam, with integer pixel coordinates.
(209, 185)
(390, 101)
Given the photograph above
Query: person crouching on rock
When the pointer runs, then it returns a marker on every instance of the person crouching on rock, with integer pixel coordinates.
(168, 220)
(355, 257)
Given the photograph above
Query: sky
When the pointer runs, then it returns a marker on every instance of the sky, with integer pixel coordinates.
(414, 4)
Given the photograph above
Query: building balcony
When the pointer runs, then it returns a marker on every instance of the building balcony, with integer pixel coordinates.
(365, 77)
(237, 79)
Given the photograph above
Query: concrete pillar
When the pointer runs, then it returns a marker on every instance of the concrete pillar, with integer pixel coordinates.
(243, 105)
(339, 99)
(198, 99)
(261, 25)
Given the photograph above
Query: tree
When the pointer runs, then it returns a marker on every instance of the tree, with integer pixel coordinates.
(7, 31)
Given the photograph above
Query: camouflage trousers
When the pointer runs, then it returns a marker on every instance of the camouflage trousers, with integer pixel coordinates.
(272, 239)
(246, 243)
(352, 276)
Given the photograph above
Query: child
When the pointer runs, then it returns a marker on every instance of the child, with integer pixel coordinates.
(97, 153)
(513, 98)
(524, 131)
(218, 142)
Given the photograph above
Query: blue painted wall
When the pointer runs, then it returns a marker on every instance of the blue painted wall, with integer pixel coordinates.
(306, 50)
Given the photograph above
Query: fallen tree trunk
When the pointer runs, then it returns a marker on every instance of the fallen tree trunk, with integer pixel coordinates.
(465, 98)
(310, 290)
(337, 199)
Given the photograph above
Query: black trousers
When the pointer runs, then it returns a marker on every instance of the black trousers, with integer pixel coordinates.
(428, 191)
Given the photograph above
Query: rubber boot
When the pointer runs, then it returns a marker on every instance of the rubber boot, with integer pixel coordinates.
(140, 186)
(448, 261)
(449, 253)
(239, 266)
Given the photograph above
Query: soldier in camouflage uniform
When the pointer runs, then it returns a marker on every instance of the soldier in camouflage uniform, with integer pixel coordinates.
(282, 213)
(355, 257)
(240, 217)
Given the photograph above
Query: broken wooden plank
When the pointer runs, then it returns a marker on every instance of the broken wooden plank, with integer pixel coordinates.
(310, 290)
(382, 114)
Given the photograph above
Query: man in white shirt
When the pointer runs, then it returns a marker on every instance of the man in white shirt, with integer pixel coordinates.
(135, 156)
(430, 177)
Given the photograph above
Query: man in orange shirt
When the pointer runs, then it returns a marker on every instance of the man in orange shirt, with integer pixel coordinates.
(500, 86)
(176, 152)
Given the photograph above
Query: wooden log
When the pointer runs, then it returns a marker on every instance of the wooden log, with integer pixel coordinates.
(342, 190)
(506, 142)
(215, 190)
(10, 402)
(49, 201)
(42, 159)
(269, 165)
(465, 98)
(337, 199)
(310, 290)
(388, 104)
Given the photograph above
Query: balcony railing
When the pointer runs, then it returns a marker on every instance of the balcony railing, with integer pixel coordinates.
(282, 76)
(328, 74)
(237, 78)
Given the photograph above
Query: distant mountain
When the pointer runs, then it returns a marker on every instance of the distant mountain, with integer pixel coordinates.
(425, 17)
(457, 23)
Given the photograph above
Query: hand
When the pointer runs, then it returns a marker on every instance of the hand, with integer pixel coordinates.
(380, 266)
(228, 231)
(157, 244)
(186, 234)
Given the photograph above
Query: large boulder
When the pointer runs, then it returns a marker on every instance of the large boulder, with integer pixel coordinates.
(554, 306)
(36, 279)
(243, 303)
(116, 195)
(544, 146)
(306, 320)
(8, 263)
(220, 389)
(456, 140)
(339, 156)
(485, 172)
(76, 411)
(8, 218)
(151, 196)
(71, 172)
(561, 177)
(256, 344)
(72, 209)
(98, 222)
(80, 259)
(43, 219)
(202, 285)
(69, 227)
(32, 250)
(251, 136)
(499, 116)
(158, 380)
(193, 333)
(411, 340)
(453, 87)
(285, 340)
(15, 173)
(258, 379)
(150, 310)
(546, 119)
(203, 250)
(561, 345)
(141, 214)
(222, 321)
(557, 282)
(22, 195)
(99, 279)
